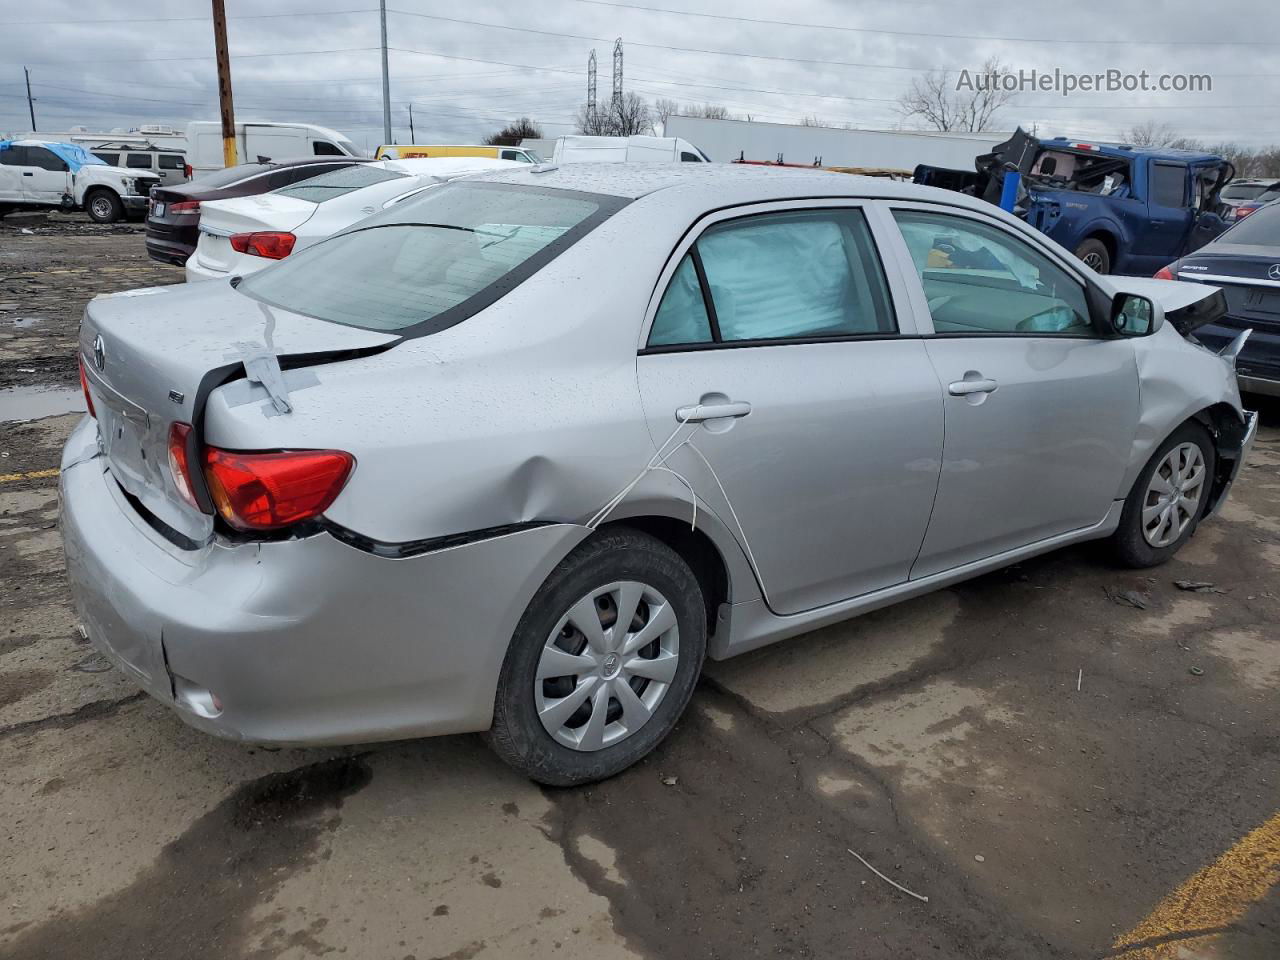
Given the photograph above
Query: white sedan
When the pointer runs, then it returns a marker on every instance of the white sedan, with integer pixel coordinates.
(241, 235)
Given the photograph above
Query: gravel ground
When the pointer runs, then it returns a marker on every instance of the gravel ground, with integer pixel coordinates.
(1060, 774)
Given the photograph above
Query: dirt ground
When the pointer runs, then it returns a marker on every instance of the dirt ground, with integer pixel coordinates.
(1062, 775)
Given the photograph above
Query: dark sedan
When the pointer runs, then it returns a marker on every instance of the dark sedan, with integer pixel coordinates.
(1245, 263)
(173, 216)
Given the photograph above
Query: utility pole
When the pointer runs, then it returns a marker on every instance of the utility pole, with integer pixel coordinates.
(386, 78)
(225, 106)
(412, 139)
(30, 105)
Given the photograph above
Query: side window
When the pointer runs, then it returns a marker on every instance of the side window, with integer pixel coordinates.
(682, 315)
(44, 159)
(1169, 184)
(687, 157)
(323, 148)
(172, 161)
(981, 279)
(809, 274)
(112, 159)
(14, 157)
(138, 161)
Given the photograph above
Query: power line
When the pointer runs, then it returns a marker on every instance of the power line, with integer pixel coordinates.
(243, 16)
(1128, 42)
(238, 56)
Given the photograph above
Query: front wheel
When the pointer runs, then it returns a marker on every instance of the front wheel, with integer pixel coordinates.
(1167, 500)
(603, 661)
(1095, 255)
(104, 207)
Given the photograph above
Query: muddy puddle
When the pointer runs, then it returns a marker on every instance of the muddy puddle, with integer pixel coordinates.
(31, 403)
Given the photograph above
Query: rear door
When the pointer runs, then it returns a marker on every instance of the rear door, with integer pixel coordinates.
(1040, 411)
(784, 343)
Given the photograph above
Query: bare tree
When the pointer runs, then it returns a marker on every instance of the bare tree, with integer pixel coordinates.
(812, 120)
(514, 132)
(712, 111)
(665, 107)
(627, 117)
(967, 102)
(1151, 133)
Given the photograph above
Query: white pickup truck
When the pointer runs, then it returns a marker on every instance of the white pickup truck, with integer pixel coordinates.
(39, 174)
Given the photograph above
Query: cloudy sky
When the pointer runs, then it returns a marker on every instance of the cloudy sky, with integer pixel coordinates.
(467, 68)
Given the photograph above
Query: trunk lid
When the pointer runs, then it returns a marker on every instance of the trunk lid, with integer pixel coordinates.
(1243, 273)
(219, 219)
(152, 356)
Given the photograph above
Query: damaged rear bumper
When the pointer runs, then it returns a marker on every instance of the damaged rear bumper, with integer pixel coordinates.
(303, 641)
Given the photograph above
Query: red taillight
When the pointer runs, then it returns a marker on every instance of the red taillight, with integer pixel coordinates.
(1242, 212)
(180, 453)
(273, 246)
(84, 385)
(186, 206)
(267, 491)
(187, 171)
(1164, 273)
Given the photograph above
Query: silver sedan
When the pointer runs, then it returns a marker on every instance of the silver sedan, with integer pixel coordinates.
(517, 455)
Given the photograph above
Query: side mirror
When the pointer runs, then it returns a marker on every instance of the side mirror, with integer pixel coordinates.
(1132, 315)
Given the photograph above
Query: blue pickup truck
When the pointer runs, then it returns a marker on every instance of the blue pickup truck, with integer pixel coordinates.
(1121, 208)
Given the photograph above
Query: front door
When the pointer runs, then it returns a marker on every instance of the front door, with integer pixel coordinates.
(45, 178)
(820, 423)
(1039, 410)
(1169, 216)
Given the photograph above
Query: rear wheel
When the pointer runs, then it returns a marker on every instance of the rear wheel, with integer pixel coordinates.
(1095, 255)
(1168, 499)
(603, 661)
(104, 206)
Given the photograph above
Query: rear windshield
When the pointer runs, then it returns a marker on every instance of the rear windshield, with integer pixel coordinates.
(338, 182)
(435, 260)
(229, 175)
(1260, 228)
(1242, 191)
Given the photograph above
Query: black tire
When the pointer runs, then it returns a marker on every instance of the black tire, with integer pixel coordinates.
(1128, 542)
(618, 554)
(1095, 254)
(103, 206)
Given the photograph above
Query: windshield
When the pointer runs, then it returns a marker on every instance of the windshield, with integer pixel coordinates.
(439, 257)
(1261, 228)
(337, 183)
(229, 175)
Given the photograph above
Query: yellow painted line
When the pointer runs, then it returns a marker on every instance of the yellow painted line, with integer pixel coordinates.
(1211, 900)
(33, 475)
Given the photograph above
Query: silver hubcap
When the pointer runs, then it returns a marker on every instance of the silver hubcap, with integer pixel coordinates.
(607, 665)
(1174, 494)
(101, 208)
(1093, 261)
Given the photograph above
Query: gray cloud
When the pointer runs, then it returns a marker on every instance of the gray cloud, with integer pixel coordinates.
(466, 80)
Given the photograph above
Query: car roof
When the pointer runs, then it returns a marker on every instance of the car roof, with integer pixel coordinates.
(714, 185)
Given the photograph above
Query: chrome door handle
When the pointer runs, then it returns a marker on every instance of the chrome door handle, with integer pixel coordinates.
(699, 412)
(963, 388)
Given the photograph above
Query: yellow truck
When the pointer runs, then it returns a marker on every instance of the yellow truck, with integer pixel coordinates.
(405, 151)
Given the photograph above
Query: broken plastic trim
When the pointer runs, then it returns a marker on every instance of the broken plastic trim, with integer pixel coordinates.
(414, 548)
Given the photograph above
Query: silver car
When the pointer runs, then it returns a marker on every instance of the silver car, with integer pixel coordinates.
(517, 455)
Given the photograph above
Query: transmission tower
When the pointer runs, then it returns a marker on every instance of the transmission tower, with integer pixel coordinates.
(617, 73)
(591, 88)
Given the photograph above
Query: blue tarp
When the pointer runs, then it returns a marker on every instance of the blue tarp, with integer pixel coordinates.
(75, 156)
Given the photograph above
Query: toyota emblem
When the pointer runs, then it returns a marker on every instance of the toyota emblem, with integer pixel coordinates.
(99, 353)
(1273, 271)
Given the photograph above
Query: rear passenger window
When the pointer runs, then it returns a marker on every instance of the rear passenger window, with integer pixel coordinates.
(139, 161)
(812, 274)
(111, 159)
(788, 275)
(687, 157)
(172, 161)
